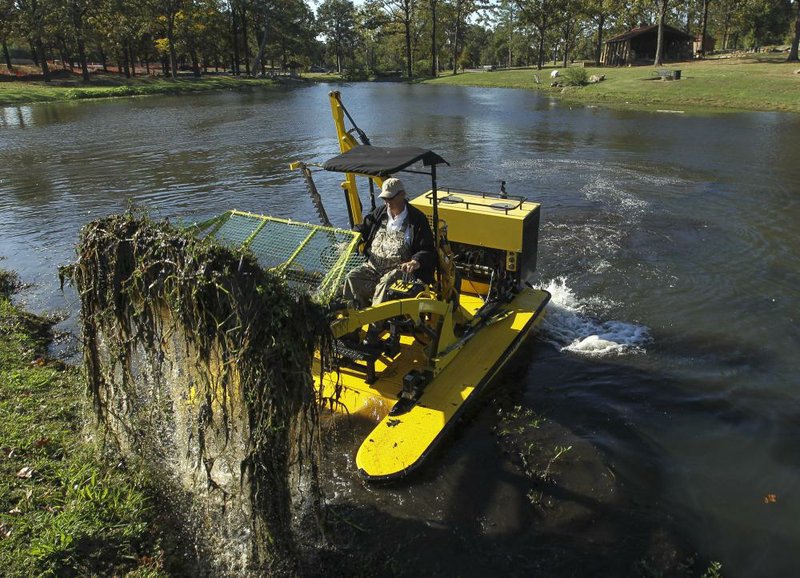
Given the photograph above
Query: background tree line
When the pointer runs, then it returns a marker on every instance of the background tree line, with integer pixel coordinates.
(411, 38)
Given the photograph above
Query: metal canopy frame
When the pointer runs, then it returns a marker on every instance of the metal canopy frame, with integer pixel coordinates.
(372, 161)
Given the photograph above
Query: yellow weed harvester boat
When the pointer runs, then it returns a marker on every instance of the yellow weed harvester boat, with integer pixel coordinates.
(438, 345)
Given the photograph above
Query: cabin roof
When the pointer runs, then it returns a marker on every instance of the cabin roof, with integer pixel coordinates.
(641, 30)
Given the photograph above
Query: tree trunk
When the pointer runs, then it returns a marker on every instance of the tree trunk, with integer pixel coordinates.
(64, 57)
(257, 65)
(540, 59)
(567, 33)
(235, 42)
(662, 14)
(510, 36)
(407, 24)
(246, 43)
(132, 59)
(173, 57)
(434, 54)
(67, 61)
(6, 55)
(455, 46)
(598, 54)
(82, 58)
(195, 62)
(33, 53)
(42, 59)
(796, 41)
(103, 59)
(704, 28)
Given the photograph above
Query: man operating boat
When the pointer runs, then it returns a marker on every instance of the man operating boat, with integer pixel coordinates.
(398, 241)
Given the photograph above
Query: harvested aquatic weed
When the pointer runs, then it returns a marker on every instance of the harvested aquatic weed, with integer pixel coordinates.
(9, 282)
(199, 361)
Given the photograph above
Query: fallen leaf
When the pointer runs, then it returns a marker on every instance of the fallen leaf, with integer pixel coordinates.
(26, 472)
(770, 498)
(5, 531)
(15, 511)
(41, 442)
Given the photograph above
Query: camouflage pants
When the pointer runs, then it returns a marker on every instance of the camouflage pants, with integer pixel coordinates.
(366, 285)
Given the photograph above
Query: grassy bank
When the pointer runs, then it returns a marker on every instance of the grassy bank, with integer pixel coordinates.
(110, 85)
(63, 512)
(762, 83)
(765, 83)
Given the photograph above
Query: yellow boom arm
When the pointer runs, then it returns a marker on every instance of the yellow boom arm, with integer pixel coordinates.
(347, 142)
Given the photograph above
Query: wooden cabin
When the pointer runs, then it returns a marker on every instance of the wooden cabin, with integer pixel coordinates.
(639, 46)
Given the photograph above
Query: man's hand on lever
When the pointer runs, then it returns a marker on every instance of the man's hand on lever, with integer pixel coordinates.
(409, 266)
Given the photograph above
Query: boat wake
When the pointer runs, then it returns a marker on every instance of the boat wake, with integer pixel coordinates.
(570, 325)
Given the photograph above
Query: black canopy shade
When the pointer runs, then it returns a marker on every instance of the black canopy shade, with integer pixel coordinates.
(381, 161)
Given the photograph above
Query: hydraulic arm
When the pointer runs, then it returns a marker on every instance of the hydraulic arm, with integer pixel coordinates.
(346, 142)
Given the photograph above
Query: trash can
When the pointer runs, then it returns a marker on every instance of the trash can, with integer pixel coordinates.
(676, 75)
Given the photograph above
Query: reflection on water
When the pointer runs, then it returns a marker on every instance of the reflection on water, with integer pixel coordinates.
(670, 241)
(16, 116)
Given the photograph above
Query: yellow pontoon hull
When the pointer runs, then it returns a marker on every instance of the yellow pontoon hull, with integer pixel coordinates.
(399, 444)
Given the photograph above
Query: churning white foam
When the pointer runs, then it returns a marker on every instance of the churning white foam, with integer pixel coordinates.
(569, 326)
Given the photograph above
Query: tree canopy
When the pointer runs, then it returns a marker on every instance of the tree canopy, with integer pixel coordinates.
(407, 37)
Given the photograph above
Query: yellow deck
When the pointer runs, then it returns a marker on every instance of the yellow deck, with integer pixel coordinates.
(399, 443)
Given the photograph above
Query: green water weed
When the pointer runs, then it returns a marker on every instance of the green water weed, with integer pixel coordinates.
(252, 341)
(714, 570)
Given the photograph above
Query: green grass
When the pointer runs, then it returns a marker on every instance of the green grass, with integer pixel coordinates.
(109, 85)
(323, 76)
(63, 512)
(766, 83)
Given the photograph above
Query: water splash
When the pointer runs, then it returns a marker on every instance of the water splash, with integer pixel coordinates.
(570, 326)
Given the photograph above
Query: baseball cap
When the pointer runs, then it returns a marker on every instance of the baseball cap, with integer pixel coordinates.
(391, 188)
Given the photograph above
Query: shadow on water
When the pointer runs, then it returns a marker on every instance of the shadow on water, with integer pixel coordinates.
(714, 504)
(498, 498)
(483, 505)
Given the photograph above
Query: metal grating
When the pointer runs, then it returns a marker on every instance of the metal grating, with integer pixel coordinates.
(314, 259)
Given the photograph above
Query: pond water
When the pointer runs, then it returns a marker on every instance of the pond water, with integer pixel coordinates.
(668, 363)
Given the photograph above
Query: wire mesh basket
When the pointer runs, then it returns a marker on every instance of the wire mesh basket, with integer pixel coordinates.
(314, 259)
